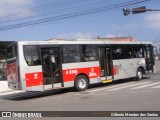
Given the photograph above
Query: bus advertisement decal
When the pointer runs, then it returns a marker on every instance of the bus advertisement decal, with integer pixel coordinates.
(70, 74)
(34, 79)
(11, 72)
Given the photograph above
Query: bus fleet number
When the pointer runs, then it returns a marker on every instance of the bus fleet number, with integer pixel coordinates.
(71, 72)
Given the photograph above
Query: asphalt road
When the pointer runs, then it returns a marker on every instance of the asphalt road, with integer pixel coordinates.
(124, 95)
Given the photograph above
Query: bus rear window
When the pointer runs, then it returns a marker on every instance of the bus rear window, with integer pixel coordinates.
(32, 55)
(11, 53)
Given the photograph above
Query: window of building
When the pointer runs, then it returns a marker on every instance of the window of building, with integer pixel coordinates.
(32, 56)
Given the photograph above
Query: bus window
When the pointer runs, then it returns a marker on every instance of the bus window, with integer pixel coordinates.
(31, 55)
(147, 52)
(11, 53)
(89, 53)
(127, 52)
(71, 53)
(11, 63)
(118, 52)
(137, 52)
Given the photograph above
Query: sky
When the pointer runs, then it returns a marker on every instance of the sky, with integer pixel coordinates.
(109, 23)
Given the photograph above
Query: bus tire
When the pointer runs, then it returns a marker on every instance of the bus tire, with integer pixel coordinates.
(139, 73)
(81, 83)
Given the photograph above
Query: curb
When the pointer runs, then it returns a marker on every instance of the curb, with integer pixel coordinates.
(6, 91)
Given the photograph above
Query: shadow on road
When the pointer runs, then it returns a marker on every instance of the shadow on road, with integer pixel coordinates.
(116, 82)
(36, 94)
(33, 95)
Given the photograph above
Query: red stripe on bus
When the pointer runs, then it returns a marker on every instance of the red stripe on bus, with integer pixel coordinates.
(114, 70)
(34, 79)
(91, 72)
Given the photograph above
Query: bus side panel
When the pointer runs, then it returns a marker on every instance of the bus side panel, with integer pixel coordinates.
(12, 69)
(71, 70)
(127, 68)
(34, 79)
(31, 76)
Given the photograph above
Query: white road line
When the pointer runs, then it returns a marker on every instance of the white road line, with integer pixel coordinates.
(140, 92)
(127, 86)
(104, 88)
(143, 86)
(109, 87)
(156, 86)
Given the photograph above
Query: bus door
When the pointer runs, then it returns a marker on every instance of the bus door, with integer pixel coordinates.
(106, 63)
(148, 53)
(51, 66)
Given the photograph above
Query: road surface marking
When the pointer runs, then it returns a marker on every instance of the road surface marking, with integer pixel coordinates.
(140, 91)
(156, 86)
(107, 87)
(110, 87)
(127, 86)
(143, 86)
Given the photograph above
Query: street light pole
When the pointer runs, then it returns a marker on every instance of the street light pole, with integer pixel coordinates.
(127, 11)
(138, 10)
(153, 9)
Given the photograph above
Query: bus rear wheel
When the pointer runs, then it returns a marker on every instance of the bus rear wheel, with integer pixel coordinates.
(81, 83)
(139, 74)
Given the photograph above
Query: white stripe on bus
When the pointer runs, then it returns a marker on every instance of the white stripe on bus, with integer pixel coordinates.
(80, 65)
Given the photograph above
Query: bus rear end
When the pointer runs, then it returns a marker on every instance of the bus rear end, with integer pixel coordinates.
(12, 66)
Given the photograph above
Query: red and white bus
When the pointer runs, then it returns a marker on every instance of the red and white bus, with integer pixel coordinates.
(45, 65)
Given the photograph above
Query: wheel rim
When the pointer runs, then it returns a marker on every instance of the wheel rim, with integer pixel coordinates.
(139, 74)
(82, 83)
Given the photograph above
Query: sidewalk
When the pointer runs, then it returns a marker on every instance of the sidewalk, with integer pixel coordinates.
(4, 87)
(4, 90)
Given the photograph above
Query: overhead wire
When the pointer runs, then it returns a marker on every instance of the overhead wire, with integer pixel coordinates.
(40, 12)
(36, 9)
(74, 14)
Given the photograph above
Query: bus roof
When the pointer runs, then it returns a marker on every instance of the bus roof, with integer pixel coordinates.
(80, 41)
